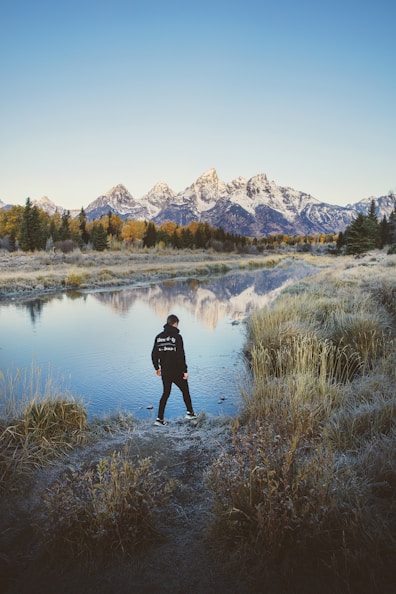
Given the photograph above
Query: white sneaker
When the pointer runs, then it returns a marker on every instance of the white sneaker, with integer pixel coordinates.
(160, 422)
(191, 416)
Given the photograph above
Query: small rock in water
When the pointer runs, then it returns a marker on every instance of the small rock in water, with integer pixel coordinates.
(150, 407)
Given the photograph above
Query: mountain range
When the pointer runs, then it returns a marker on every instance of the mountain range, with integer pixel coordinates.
(255, 207)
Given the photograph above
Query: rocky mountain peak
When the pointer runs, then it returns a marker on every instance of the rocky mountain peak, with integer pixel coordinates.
(237, 184)
(46, 204)
(257, 185)
(207, 189)
(256, 207)
(208, 177)
(161, 189)
(119, 191)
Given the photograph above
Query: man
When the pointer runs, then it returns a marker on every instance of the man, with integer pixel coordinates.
(169, 362)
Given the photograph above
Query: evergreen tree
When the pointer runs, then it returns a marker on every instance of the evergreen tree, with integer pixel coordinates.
(38, 230)
(12, 241)
(64, 231)
(372, 227)
(362, 235)
(187, 238)
(384, 238)
(200, 239)
(392, 228)
(82, 217)
(150, 236)
(99, 238)
(341, 239)
(53, 230)
(26, 241)
(175, 240)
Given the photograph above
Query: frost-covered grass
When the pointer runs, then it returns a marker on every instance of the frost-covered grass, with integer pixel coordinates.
(311, 483)
(21, 273)
(38, 423)
(307, 487)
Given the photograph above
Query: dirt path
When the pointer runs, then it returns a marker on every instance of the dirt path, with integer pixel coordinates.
(183, 560)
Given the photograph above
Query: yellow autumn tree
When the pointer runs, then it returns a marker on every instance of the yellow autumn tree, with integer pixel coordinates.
(169, 227)
(132, 231)
(10, 220)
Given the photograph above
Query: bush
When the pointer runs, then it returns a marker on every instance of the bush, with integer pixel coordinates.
(46, 428)
(281, 497)
(310, 485)
(75, 279)
(106, 508)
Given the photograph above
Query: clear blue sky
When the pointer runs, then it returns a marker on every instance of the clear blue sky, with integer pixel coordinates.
(95, 93)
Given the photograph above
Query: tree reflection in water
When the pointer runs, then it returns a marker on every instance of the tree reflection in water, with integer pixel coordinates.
(100, 342)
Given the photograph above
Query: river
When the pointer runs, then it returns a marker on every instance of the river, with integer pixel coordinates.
(97, 345)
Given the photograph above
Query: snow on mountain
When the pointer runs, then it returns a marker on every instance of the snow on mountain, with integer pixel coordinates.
(254, 207)
(117, 200)
(46, 204)
(384, 205)
(206, 191)
(155, 200)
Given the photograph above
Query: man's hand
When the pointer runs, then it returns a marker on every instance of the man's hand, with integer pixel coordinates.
(158, 372)
(185, 376)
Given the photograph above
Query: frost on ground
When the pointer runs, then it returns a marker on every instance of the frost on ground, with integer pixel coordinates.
(182, 559)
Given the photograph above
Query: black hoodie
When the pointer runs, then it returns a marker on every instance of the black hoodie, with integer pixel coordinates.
(168, 352)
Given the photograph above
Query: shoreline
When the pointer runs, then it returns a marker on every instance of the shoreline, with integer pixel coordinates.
(189, 542)
(30, 275)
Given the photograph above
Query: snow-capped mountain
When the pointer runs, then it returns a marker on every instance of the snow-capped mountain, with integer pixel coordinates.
(117, 200)
(384, 205)
(153, 202)
(255, 207)
(46, 204)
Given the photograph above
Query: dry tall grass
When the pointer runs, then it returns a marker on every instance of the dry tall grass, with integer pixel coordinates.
(103, 507)
(312, 479)
(108, 507)
(37, 424)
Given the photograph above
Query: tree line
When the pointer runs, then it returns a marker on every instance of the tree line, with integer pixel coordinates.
(366, 233)
(30, 228)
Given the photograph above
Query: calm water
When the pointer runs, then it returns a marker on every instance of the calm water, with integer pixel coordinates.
(97, 345)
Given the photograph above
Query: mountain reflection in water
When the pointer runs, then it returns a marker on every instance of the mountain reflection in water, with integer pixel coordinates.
(233, 295)
(99, 342)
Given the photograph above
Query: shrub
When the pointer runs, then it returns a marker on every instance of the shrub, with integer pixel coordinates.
(50, 418)
(106, 508)
(75, 279)
(46, 428)
(311, 480)
(281, 497)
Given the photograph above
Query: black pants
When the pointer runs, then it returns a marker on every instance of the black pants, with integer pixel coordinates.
(182, 384)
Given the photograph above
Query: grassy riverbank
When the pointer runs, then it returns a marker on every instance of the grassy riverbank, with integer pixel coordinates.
(297, 495)
(311, 482)
(23, 274)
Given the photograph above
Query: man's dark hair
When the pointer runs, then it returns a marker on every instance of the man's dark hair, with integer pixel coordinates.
(172, 319)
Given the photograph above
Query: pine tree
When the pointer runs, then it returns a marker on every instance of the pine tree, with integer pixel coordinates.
(384, 232)
(392, 228)
(82, 217)
(64, 231)
(38, 236)
(12, 241)
(25, 231)
(99, 238)
(362, 234)
(150, 236)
